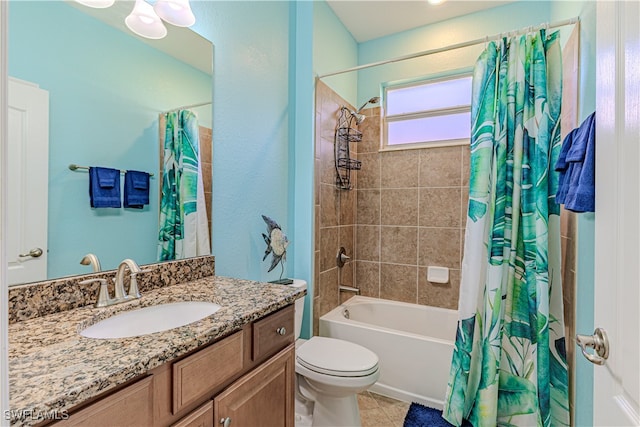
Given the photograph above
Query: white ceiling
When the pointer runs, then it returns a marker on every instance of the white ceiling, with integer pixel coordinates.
(370, 19)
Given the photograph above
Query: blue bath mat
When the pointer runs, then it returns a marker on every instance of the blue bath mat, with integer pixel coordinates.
(423, 416)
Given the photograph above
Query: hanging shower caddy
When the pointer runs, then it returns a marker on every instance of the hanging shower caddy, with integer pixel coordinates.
(345, 134)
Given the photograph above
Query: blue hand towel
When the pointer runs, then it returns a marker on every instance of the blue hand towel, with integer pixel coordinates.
(136, 189)
(577, 189)
(104, 187)
(564, 167)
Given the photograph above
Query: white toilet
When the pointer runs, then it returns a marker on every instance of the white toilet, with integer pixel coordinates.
(329, 374)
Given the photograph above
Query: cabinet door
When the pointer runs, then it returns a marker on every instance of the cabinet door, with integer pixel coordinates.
(131, 406)
(264, 397)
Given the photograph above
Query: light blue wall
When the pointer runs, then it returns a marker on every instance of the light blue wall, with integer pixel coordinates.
(301, 147)
(250, 131)
(106, 90)
(465, 28)
(586, 10)
(334, 49)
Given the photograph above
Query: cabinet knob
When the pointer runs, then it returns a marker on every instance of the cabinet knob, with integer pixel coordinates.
(281, 330)
(226, 422)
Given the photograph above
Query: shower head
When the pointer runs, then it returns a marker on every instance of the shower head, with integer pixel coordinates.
(373, 100)
(359, 117)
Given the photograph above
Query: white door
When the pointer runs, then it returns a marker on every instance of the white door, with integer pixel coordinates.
(27, 189)
(617, 269)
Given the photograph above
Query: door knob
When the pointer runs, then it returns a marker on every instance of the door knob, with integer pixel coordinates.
(33, 253)
(599, 342)
(226, 422)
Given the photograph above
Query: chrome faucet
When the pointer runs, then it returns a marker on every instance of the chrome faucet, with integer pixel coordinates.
(104, 299)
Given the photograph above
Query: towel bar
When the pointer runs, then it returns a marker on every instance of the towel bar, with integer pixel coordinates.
(75, 167)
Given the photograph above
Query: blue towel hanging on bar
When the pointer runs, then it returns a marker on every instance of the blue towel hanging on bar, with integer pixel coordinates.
(104, 187)
(136, 189)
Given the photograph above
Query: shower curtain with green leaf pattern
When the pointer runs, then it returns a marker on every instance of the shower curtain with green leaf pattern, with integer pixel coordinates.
(509, 365)
(181, 232)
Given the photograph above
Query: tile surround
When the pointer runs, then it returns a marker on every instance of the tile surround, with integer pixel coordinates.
(417, 221)
(335, 209)
(406, 211)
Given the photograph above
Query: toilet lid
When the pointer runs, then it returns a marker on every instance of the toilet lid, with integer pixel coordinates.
(337, 357)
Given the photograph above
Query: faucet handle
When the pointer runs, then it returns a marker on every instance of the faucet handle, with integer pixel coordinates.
(103, 295)
(134, 292)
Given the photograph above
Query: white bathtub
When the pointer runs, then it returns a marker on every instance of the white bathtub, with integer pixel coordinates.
(413, 342)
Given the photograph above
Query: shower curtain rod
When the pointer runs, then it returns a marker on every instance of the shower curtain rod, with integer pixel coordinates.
(487, 39)
(184, 107)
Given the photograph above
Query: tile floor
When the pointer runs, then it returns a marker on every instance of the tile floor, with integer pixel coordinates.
(380, 411)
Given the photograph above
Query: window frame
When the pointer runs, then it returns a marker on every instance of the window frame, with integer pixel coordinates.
(422, 114)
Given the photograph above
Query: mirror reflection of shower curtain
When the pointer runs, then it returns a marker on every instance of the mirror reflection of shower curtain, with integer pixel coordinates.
(183, 228)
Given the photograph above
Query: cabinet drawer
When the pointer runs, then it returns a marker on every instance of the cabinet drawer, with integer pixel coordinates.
(201, 417)
(273, 333)
(131, 406)
(198, 374)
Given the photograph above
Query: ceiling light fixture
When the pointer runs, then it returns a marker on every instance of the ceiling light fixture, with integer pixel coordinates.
(435, 2)
(176, 12)
(146, 20)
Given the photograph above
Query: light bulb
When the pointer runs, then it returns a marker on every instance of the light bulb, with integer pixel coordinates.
(98, 4)
(144, 22)
(176, 12)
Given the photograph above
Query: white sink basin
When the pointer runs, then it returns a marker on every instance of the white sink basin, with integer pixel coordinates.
(148, 320)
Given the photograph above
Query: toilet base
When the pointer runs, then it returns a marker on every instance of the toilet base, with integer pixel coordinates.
(336, 411)
(304, 414)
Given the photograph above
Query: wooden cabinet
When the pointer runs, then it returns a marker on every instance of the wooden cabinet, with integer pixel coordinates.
(263, 397)
(247, 376)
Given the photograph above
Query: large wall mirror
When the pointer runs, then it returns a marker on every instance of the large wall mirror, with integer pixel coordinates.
(106, 89)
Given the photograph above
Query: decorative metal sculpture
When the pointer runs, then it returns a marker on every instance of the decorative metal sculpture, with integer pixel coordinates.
(277, 243)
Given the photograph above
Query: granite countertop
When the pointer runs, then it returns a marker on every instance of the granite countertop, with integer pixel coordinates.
(52, 368)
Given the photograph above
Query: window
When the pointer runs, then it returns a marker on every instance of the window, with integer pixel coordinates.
(428, 113)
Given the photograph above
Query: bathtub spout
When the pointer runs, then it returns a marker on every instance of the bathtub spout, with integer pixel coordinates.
(344, 288)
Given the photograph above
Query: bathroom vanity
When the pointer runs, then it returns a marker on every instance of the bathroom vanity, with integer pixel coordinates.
(243, 379)
(235, 367)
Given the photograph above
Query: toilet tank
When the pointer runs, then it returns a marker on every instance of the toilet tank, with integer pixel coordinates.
(299, 307)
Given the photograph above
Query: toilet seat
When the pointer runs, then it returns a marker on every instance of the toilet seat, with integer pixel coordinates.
(338, 358)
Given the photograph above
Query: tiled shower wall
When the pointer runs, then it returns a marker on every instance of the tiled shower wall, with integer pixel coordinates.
(334, 209)
(410, 214)
(406, 211)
